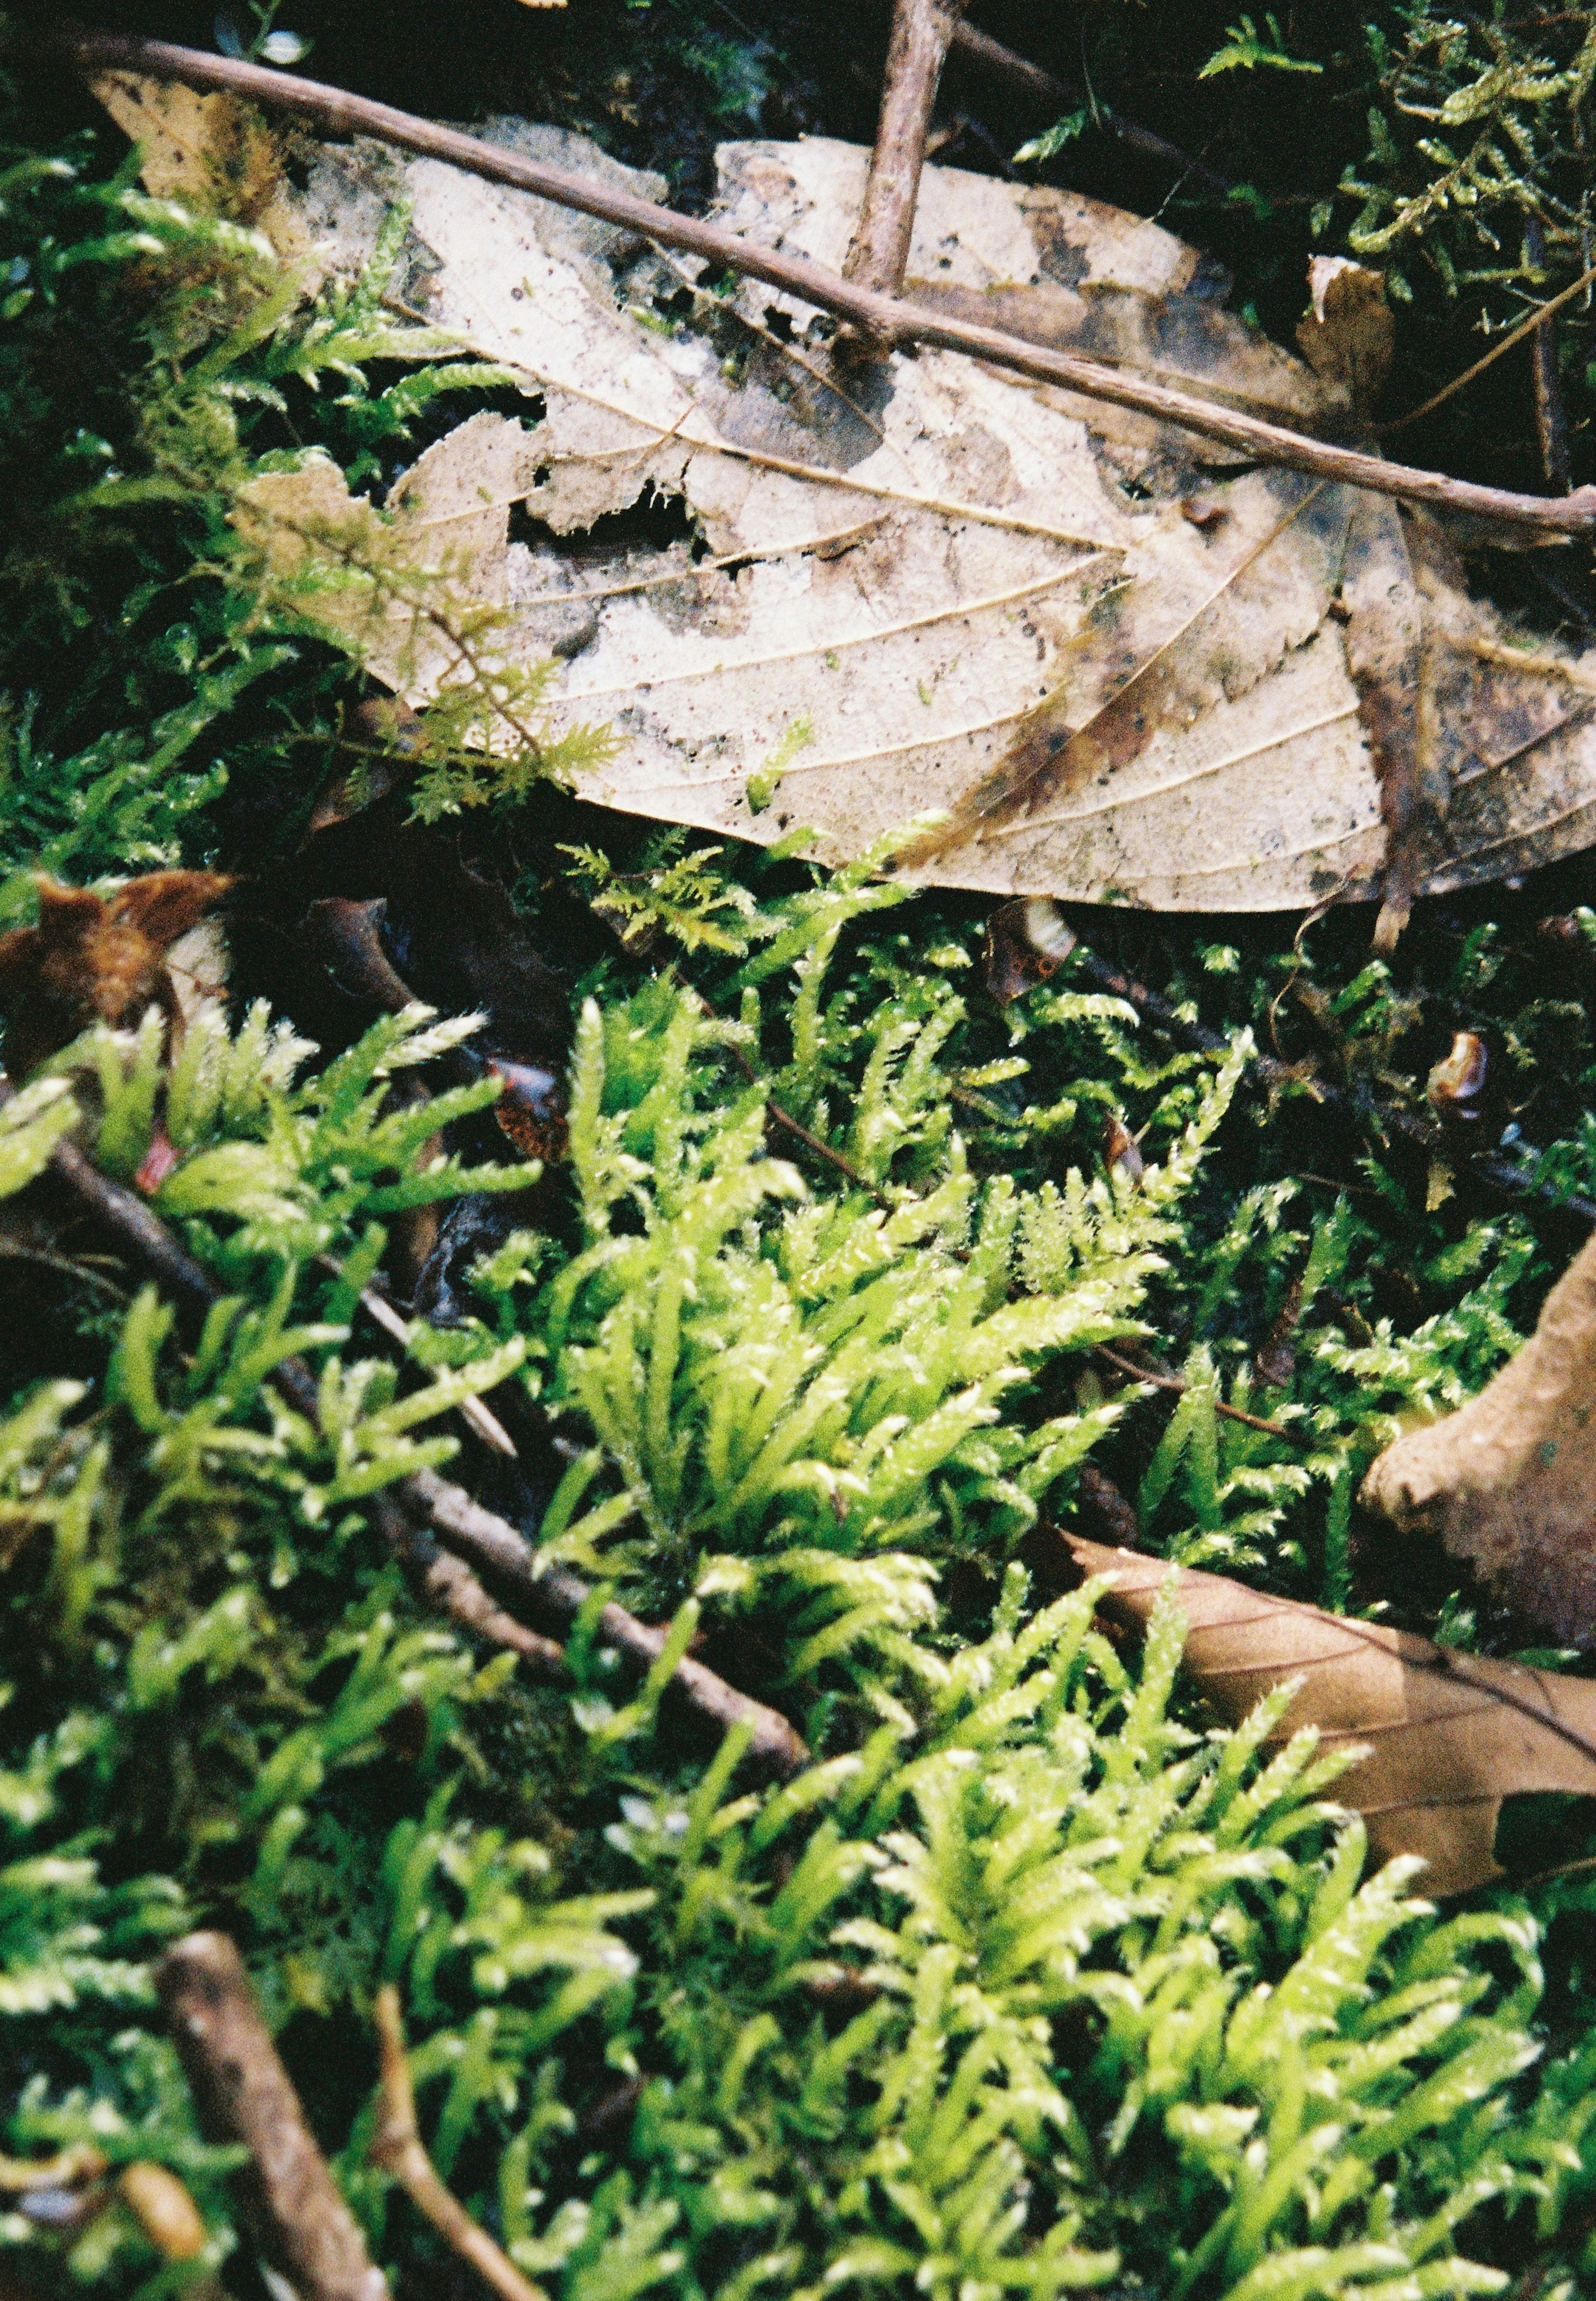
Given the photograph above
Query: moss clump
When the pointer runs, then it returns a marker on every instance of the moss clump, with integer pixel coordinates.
(1031, 1981)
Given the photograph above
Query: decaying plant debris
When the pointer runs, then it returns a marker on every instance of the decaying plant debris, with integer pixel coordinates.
(1109, 669)
(567, 1730)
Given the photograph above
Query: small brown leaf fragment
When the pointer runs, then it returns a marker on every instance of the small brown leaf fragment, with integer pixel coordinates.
(1025, 941)
(1508, 1482)
(1121, 1153)
(93, 957)
(532, 1109)
(1456, 1086)
(1110, 1513)
(1445, 1736)
(1349, 334)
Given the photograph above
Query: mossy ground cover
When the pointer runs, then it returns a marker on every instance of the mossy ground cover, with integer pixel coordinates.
(1035, 1980)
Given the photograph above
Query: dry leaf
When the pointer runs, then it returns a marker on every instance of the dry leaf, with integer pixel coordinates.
(91, 956)
(211, 150)
(1119, 664)
(1449, 1735)
(1509, 1481)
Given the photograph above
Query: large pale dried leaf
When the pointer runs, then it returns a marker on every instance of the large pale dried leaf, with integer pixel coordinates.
(1447, 1735)
(1118, 664)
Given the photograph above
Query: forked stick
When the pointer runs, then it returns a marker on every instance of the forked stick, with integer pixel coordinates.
(440, 1504)
(878, 255)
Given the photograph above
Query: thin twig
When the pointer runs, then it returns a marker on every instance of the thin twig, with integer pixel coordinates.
(1538, 318)
(495, 1543)
(382, 1313)
(242, 2093)
(980, 47)
(784, 1119)
(446, 1506)
(397, 2150)
(447, 1583)
(878, 255)
(885, 317)
(1551, 421)
(1175, 1383)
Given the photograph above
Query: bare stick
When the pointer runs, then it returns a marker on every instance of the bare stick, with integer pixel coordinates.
(447, 1583)
(397, 2150)
(1008, 64)
(1180, 1386)
(494, 1542)
(885, 317)
(382, 1313)
(448, 1506)
(242, 2093)
(878, 255)
(1551, 423)
(1536, 320)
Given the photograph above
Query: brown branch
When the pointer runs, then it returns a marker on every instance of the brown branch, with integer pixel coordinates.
(494, 1542)
(382, 1315)
(450, 1507)
(822, 1148)
(885, 317)
(1176, 1383)
(1551, 421)
(878, 254)
(778, 1116)
(980, 47)
(397, 2150)
(242, 2093)
(447, 1583)
(1536, 321)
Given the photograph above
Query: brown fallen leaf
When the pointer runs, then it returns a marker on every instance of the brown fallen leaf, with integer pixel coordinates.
(94, 957)
(1508, 1482)
(1449, 1735)
(1119, 664)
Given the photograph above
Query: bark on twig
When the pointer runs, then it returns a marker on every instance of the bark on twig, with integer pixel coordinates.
(447, 1583)
(397, 2150)
(878, 255)
(1161, 1379)
(494, 1542)
(885, 317)
(1551, 421)
(242, 2093)
(1509, 1481)
(435, 1501)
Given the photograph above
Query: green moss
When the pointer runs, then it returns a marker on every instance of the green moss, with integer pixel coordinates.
(1031, 1981)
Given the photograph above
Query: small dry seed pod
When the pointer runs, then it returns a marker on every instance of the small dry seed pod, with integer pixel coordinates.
(1455, 1087)
(1121, 1155)
(164, 2210)
(1025, 940)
